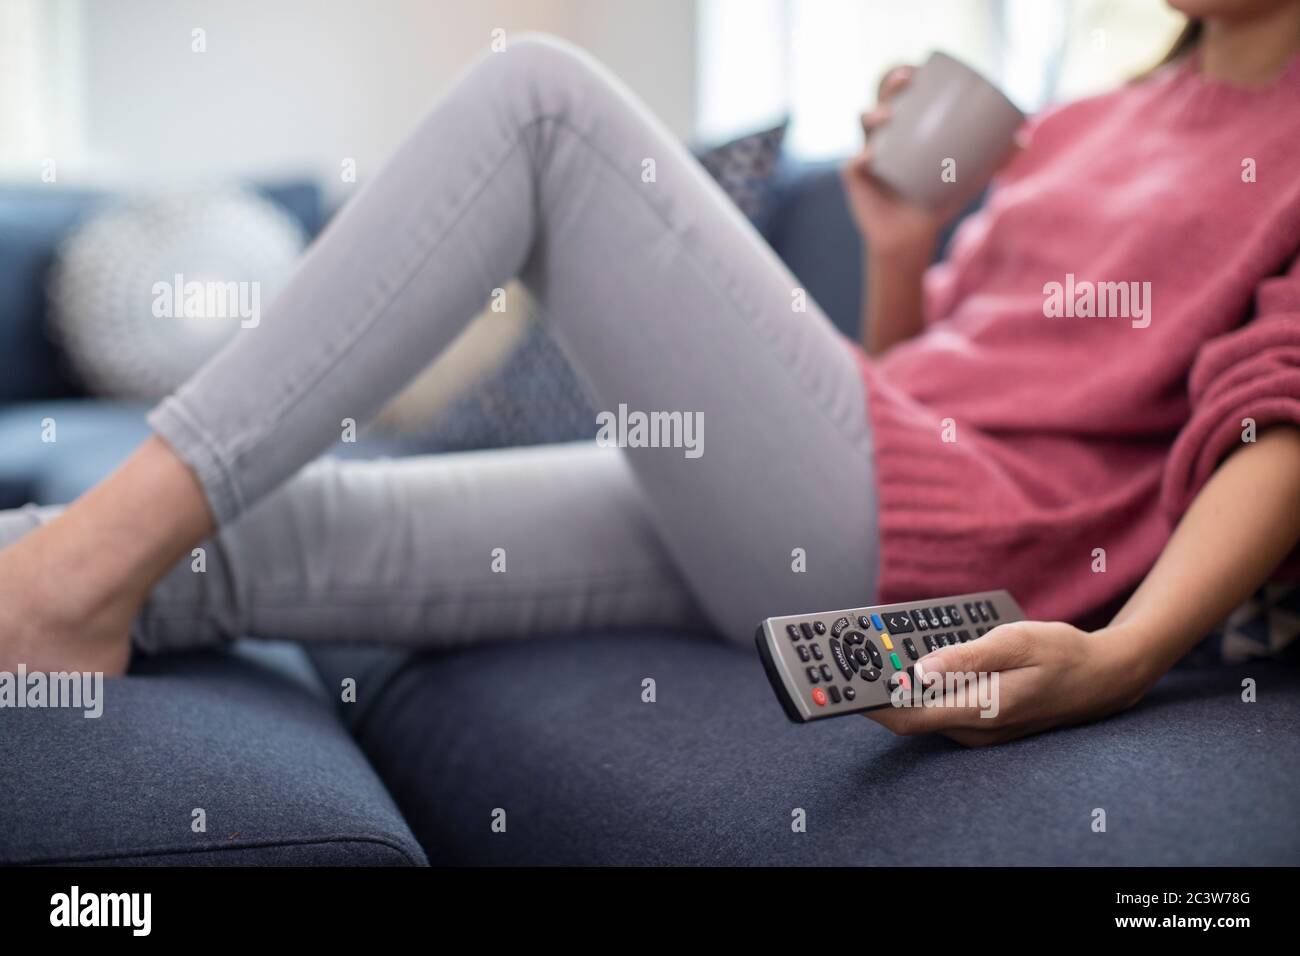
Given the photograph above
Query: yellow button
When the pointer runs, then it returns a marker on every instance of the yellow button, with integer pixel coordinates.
(889, 645)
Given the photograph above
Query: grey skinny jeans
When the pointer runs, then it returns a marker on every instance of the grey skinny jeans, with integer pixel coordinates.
(537, 164)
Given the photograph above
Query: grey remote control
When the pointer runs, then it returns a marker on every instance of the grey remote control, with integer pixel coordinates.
(844, 662)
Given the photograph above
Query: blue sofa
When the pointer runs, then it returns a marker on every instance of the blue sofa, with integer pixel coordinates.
(554, 733)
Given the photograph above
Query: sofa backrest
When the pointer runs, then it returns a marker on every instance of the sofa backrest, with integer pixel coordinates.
(812, 231)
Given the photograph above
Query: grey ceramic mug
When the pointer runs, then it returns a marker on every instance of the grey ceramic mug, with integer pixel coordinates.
(949, 131)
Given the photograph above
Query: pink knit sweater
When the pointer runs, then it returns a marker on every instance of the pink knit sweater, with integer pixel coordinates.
(1076, 431)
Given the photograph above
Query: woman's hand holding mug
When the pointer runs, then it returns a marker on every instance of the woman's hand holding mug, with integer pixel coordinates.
(937, 135)
(888, 221)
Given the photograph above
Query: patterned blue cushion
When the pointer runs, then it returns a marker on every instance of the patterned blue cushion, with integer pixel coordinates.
(745, 168)
(534, 398)
(1267, 625)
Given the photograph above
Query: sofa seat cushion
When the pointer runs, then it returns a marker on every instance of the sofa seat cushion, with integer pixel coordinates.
(278, 778)
(555, 733)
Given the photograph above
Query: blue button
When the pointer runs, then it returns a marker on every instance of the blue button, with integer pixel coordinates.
(875, 619)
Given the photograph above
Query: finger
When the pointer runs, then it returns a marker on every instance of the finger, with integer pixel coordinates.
(894, 82)
(874, 119)
(1015, 149)
(1006, 647)
(925, 708)
(923, 719)
(857, 169)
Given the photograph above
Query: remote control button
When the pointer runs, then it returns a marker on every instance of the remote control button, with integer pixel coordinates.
(886, 640)
(813, 675)
(979, 632)
(819, 697)
(864, 622)
(929, 642)
(839, 626)
(827, 676)
(793, 631)
(869, 674)
(807, 630)
(850, 693)
(919, 618)
(910, 648)
(893, 659)
(841, 661)
(954, 616)
(993, 612)
(819, 627)
(944, 639)
(803, 652)
(898, 622)
(899, 680)
(857, 638)
(817, 652)
(945, 619)
(963, 636)
(876, 659)
(875, 620)
(835, 694)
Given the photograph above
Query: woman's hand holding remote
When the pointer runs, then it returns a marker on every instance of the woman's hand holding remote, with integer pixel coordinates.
(1049, 674)
(1054, 674)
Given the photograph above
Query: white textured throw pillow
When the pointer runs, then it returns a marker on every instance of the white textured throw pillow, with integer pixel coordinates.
(145, 292)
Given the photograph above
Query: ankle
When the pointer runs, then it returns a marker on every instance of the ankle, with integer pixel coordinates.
(111, 545)
(73, 580)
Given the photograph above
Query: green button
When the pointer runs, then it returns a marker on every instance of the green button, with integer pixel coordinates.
(893, 659)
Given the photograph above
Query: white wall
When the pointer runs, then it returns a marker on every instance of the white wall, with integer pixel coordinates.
(289, 86)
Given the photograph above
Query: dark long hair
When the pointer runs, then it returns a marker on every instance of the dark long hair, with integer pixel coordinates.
(1184, 43)
(1187, 40)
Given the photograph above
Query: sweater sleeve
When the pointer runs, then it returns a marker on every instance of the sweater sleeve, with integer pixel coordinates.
(1253, 373)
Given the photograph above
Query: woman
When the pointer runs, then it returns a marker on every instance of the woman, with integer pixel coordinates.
(995, 447)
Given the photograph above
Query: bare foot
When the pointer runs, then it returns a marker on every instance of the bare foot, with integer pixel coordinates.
(51, 616)
(70, 589)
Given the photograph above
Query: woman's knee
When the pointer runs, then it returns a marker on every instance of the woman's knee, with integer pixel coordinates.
(542, 57)
(551, 75)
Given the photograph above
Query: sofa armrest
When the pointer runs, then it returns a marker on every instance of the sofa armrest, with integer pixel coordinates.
(278, 778)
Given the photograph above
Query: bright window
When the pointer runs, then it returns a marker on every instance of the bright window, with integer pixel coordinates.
(39, 93)
(819, 61)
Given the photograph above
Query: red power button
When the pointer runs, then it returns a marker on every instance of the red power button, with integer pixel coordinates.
(819, 697)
